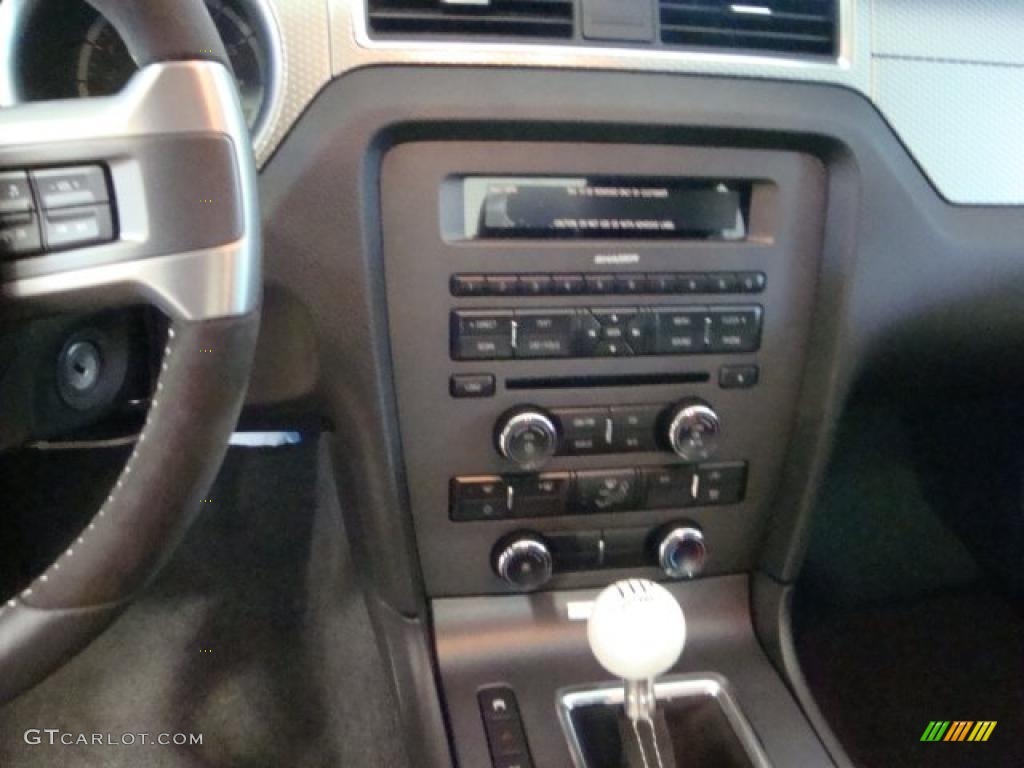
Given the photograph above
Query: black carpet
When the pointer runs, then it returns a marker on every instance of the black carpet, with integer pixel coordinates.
(256, 636)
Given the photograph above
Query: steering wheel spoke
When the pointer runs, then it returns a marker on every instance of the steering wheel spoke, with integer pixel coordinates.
(147, 196)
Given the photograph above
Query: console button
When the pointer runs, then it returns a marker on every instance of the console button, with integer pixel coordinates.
(606, 490)
(67, 187)
(669, 487)
(633, 428)
(535, 285)
(631, 283)
(723, 282)
(568, 285)
(15, 193)
(584, 430)
(498, 704)
(738, 376)
(543, 495)
(19, 234)
(752, 282)
(501, 285)
(679, 332)
(479, 498)
(467, 285)
(721, 483)
(692, 283)
(600, 284)
(734, 329)
(471, 385)
(69, 227)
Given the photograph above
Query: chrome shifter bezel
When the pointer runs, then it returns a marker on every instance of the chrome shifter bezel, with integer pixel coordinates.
(668, 688)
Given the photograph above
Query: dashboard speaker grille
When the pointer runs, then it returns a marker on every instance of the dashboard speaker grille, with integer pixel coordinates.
(806, 27)
(459, 18)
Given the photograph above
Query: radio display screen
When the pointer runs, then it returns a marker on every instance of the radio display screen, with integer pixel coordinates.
(588, 208)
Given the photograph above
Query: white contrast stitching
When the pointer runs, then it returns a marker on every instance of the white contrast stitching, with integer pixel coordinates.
(55, 566)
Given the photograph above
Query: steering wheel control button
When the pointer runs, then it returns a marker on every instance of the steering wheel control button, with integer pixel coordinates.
(19, 234)
(612, 490)
(693, 430)
(15, 193)
(738, 376)
(724, 483)
(734, 329)
(682, 552)
(73, 227)
(523, 560)
(471, 385)
(69, 187)
(479, 498)
(669, 487)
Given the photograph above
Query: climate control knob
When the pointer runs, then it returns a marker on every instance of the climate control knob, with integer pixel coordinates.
(528, 436)
(693, 430)
(681, 551)
(523, 560)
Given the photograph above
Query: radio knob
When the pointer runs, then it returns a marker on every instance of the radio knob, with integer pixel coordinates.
(527, 436)
(681, 552)
(523, 560)
(693, 430)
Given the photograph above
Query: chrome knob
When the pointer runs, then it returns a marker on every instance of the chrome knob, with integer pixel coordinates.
(682, 552)
(693, 430)
(527, 436)
(523, 561)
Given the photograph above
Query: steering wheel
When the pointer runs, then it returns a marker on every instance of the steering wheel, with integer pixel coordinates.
(180, 230)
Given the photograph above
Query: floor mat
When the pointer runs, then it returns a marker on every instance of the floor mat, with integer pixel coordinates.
(881, 675)
(256, 636)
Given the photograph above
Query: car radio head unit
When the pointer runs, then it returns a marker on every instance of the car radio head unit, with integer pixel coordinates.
(593, 208)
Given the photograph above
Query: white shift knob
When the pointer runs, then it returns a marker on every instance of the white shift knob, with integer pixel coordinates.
(636, 630)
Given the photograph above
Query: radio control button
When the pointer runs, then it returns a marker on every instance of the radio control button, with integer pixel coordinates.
(680, 332)
(501, 285)
(631, 283)
(588, 334)
(483, 323)
(535, 285)
(752, 282)
(568, 285)
(614, 318)
(610, 490)
(613, 349)
(467, 285)
(737, 376)
(600, 284)
(633, 428)
(664, 282)
(723, 282)
(640, 333)
(543, 346)
(734, 329)
(584, 430)
(545, 321)
(483, 348)
(692, 283)
(471, 385)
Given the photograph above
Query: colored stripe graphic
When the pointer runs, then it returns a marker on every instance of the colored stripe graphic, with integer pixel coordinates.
(935, 730)
(958, 731)
(983, 730)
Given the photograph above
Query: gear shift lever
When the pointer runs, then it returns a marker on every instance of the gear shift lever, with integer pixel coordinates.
(637, 632)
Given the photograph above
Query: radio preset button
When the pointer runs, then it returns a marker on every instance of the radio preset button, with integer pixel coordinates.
(692, 283)
(501, 285)
(662, 282)
(723, 282)
(752, 282)
(568, 285)
(631, 283)
(600, 284)
(535, 285)
(467, 285)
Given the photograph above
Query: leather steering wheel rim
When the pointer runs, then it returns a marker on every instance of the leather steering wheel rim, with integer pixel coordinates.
(183, 99)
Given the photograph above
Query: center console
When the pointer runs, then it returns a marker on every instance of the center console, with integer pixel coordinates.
(611, 386)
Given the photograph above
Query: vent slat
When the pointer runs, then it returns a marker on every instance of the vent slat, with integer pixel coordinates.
(776, 26)
(511, 18)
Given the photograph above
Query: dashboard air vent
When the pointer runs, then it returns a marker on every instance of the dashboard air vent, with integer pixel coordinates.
(806, 27)
(458, 18)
